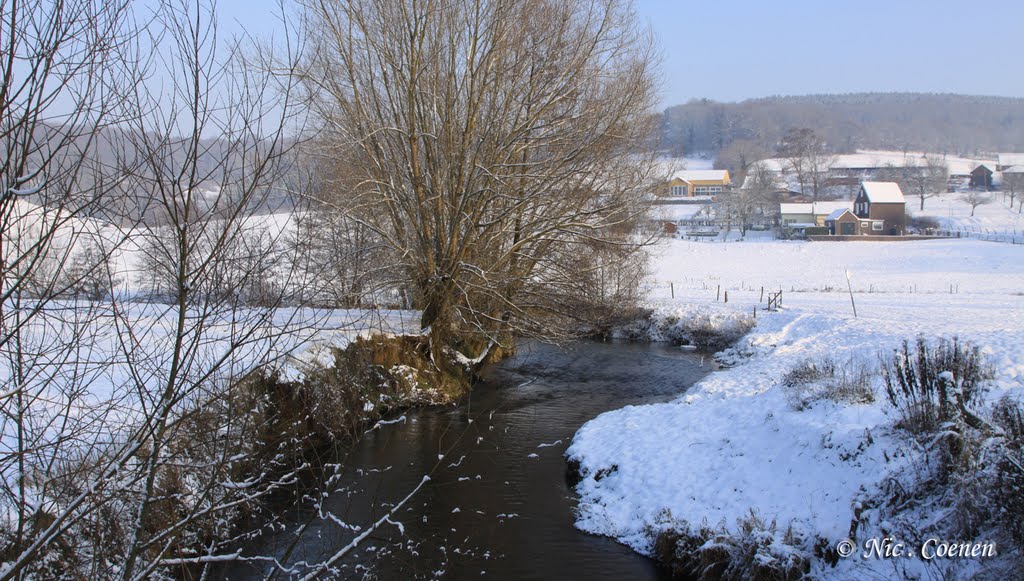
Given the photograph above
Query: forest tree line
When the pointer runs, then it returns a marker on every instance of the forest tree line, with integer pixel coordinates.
(939, 123)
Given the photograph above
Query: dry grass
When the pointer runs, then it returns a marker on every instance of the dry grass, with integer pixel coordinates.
(755, 549)
(813, 380)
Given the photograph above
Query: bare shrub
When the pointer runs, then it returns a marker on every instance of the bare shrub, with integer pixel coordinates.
(812, 380)
(709, 330)
(923, 224)
(334, 402)
(1009, 482)
(915, 382)
(757, 549)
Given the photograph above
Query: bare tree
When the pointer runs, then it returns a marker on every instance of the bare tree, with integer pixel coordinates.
(67, 67)
(808, 158)
(354, 265)
(922, 179)
(740, 155)
(491, 140)
(764, 189)
(1013, 184)
(927, 179)
(130, 430)
(756, 201)
(976, 198)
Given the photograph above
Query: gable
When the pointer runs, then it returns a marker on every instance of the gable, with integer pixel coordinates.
(840, 214)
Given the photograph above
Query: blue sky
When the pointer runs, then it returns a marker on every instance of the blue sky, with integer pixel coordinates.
(730, 50)
(737, 49)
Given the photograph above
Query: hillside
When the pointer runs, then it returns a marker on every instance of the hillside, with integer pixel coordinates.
(944, 123)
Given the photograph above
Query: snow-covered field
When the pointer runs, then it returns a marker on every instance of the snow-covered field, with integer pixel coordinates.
(735, 442)
(954, 214)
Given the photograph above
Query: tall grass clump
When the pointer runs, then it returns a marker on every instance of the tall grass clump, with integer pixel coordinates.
(812, 380)
(931, 383)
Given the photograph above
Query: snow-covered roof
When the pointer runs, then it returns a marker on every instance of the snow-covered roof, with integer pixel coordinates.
(673, 212)
(1014, 169)
(692, 175)
(1006, 159)
(777, 183)
(815, 208)
(837, 213)
(883, 192)
(984, 165)
(796, 208)
(866, 159)
(822, 208)
(878, 159)
(774, 164)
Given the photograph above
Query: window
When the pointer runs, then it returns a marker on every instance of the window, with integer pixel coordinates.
(678, 190)
(877, 226)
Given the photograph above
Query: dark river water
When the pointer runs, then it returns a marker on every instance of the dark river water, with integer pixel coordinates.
(498, 504)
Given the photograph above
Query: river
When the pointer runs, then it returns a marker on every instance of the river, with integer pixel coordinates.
(498, 503)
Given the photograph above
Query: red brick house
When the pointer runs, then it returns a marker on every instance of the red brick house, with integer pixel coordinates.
(881, 208)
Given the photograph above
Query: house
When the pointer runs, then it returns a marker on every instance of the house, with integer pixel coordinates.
(881, 208)
(702, 182)
(843, 222)
(981, 177)
(810, 213)
(797, 218)
(796, 215)
(1008, 160)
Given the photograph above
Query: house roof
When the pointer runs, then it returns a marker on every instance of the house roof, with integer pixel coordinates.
(883, 192)
(875, 160)
(1007, 159)
(837, 213)
(796, 208)
(694, 175)
(982, 165)
(1014, 169)
(824, 208)
(815, 208)
(778, 183)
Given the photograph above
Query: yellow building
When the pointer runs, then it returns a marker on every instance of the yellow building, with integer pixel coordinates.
(702, 182)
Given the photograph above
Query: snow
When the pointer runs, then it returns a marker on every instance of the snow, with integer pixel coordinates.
(866, 159)
(701, 175)
(1008, 159)
(734, 442)
(883, 192)
(836, 214)
(954, 214)
(675, 212)
(815, 208)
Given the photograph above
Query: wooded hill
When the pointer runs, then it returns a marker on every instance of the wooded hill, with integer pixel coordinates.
(941, 123)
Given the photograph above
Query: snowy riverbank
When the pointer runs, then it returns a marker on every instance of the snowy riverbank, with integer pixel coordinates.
(736, 442)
